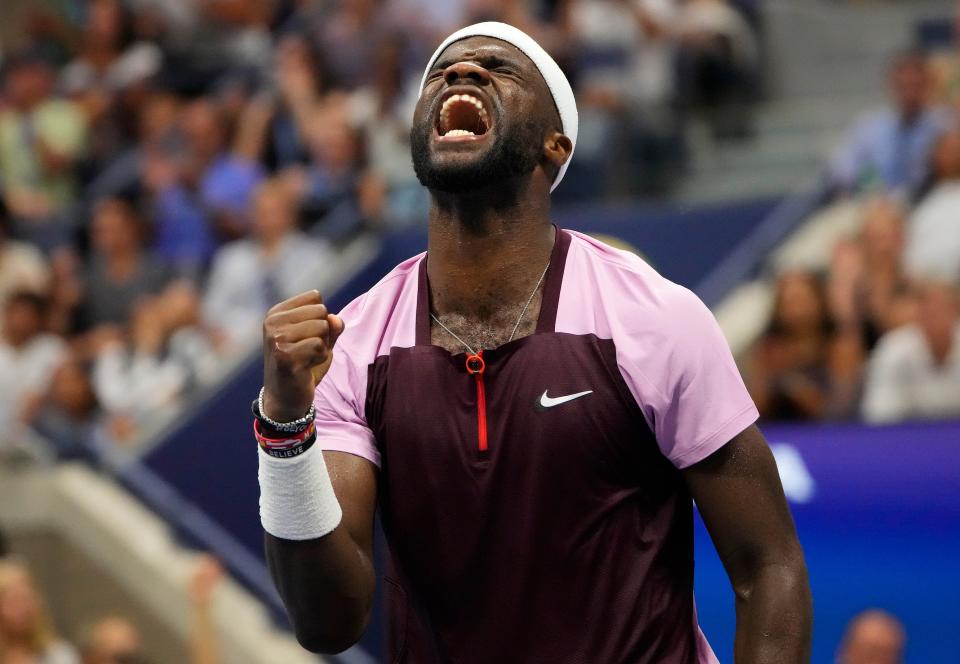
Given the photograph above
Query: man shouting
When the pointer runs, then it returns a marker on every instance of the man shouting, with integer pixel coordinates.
(532, 411)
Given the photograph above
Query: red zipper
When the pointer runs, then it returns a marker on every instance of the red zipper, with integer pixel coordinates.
(475, 367)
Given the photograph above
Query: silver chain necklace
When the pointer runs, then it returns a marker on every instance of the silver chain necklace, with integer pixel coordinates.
(515, 327)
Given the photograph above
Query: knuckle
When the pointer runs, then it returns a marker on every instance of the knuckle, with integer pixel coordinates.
(320, 352)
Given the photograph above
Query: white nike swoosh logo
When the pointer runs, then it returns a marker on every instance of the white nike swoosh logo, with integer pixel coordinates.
(550, 402)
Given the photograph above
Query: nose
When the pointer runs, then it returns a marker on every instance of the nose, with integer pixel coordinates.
(466, 72)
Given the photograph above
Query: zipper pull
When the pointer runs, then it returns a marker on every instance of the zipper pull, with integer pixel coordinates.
(476, 367)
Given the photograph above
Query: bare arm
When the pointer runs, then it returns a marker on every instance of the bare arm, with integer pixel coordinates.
(326, 583)
(739, 495)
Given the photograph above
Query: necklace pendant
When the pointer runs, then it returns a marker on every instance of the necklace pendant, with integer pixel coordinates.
(475, 363)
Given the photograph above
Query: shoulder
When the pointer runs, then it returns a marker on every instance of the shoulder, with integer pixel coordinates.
(624, 286)
(943, 199)
(60, 652)
(60, 111)
(900, 347)
(870, 123)
(385, 315)
(300, 243)
(238, 250)
(21, 251)
(939, 118)
(48, 344)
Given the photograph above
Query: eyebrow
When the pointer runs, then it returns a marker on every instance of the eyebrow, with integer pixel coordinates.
(486, 58)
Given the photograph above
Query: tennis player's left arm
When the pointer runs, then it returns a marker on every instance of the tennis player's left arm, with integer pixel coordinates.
(738, 492)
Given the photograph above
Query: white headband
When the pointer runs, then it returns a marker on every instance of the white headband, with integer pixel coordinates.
(549, 69)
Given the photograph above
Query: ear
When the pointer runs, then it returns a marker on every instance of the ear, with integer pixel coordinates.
(556, 149)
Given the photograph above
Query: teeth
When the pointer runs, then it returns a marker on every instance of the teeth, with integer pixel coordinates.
(462, 98)
(470, 99)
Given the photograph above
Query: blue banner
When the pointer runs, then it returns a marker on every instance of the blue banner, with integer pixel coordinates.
(878, 513)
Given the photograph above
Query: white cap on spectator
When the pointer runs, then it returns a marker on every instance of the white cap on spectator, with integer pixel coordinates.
(559, 86)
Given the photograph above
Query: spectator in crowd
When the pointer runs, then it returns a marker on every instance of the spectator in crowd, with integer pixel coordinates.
(890, 148)
(389, 193)
(40, 139)
(786, 371)
(207, 577)
(915, 370)
(868, 288)
(4, 547)
(116, 640)
(201, 191)
(348, 32)
(719, 60)
(69, 415)
(305, 88)
(624, 58)
(113, 640)
(22, 266)
(933, 235)
(120, 271)
(165, 353)
(327, 187)
(26, 633)
(873, 637)
(251, 275)
(107, 79)
(103, 38)
(28, 358)
(123, 176)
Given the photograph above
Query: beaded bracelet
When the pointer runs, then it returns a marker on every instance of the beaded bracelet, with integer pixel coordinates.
(296, 426)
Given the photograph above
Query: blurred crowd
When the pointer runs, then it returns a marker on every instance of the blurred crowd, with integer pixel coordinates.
(28, 634)
(170, 168)
(876, 332)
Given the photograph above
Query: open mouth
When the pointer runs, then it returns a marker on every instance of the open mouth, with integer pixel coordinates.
(463, 116)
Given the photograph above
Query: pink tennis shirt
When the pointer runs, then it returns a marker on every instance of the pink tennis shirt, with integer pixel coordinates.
(536, 512)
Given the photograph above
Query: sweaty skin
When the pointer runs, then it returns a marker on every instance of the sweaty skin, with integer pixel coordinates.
(488, 245)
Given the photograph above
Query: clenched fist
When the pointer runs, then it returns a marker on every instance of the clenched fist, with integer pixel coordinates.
(298, 339)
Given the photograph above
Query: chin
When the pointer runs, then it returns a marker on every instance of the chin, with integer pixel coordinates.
(469, 164)
(460, 175)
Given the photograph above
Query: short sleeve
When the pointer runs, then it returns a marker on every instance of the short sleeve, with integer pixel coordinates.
(340, 410)
(697, 399)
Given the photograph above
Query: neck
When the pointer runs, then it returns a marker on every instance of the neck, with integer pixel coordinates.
(909, 115)
(121, 261)
(940, 347)
(15, 644)
(487, 251)
(16, 342)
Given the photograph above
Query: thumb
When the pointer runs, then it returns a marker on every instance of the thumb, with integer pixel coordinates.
(337, 326)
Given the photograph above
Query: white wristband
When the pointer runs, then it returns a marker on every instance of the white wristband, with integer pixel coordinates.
(297, 501)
